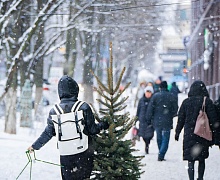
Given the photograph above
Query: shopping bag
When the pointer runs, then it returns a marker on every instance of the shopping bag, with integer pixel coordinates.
(134, 135)
(202, 127)
(134, 131)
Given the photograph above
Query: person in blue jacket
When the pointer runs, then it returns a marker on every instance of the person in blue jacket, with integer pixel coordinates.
(77, 166)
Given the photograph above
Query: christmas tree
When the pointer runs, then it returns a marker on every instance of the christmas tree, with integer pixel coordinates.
(114, 158)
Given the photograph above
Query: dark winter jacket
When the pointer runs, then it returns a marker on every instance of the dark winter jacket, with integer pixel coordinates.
(174, 89)
(161, 110)
(68, 92)
(141, 115)
(195, 147)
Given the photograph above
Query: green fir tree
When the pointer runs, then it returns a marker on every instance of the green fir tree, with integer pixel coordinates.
(114, 158)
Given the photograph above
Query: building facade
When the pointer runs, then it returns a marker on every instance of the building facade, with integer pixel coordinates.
(173, 53)
(203, 62)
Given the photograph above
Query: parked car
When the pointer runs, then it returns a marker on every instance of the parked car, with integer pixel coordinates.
(46, 93)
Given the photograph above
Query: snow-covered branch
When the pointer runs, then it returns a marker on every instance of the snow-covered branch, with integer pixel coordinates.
(29, 32)
(52, 26)
(81, 10)
(45, 47)
(12, 8)
(7, 47)
(55, 47)
(44, 14)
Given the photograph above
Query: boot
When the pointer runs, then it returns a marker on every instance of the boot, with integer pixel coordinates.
(147, 150)
(161, 159)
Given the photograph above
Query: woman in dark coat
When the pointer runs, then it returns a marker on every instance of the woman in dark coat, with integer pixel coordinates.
(195, 148)
(145, 131)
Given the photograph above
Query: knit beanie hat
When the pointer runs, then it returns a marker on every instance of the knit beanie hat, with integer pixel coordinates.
(149, 88)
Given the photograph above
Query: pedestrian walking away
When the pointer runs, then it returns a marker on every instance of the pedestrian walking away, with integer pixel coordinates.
(145, 131)
(161, 110)
(73, 123)
(195, 148)
(174, 90)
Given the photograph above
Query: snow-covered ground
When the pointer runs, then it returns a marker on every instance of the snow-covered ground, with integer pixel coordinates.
(13, 157)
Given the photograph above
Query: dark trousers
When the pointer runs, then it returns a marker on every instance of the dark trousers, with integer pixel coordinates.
(201, 169)
(77, 167)
(147, 142)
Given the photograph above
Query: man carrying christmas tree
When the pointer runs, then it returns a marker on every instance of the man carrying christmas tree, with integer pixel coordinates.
(161, 110)
(73, 123)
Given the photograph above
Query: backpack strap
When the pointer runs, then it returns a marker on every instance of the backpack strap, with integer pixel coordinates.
(74, 109)
(58, 109)
(203, 104)
(92, 109)
(76, 106)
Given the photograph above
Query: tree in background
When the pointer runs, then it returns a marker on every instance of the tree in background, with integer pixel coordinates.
(114, 158)
(71, 37)
(33, 31)
(16, 34)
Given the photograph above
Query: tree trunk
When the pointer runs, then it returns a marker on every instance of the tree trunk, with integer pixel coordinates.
(38, 103)
(38, 77)
(72, 63)
(88, 82)
(10, 116)
(11, 95)
(88, 39)
(88, 93)
(26, 105)
(70, 55)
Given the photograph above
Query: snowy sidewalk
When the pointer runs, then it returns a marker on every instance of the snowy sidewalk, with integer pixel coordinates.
(13, 158)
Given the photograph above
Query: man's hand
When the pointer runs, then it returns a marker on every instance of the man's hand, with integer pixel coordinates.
(104, 125)
(30, 149)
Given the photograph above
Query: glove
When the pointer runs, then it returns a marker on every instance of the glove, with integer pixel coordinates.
(104, 125)
(176, 137)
